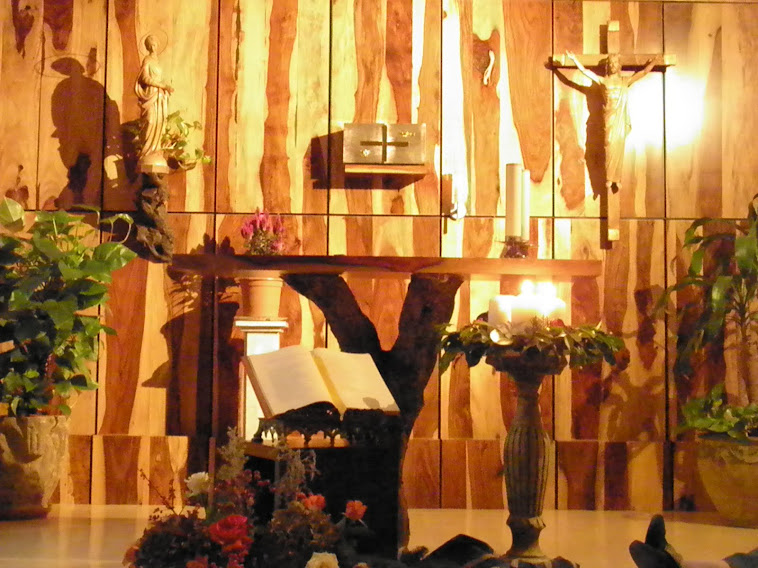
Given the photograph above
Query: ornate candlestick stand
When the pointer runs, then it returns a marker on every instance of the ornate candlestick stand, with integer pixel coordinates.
(526, 456)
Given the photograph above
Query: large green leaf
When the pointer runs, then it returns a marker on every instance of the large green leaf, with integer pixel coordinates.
(61, 312)
(69, 273)
(47, 247)
(11, 214)
(746, 251)
(113, 255)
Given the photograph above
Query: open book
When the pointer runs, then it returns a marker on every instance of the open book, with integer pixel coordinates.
(294, 377)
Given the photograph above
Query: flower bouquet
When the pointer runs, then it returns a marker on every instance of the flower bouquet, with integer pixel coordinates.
(263, 234)
(228, 522)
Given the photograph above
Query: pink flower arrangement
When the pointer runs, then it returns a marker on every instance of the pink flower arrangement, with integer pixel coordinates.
(263, 234)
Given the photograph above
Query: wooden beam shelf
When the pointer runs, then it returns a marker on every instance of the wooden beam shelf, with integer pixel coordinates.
(419, 170)
(247, 266)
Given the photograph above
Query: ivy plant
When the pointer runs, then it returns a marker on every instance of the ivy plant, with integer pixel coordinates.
(52, 283)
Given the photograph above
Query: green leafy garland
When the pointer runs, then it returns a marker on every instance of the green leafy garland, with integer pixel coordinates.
(548, 339)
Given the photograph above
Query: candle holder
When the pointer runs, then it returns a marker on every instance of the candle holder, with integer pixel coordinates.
(528, 356)
(516, 247)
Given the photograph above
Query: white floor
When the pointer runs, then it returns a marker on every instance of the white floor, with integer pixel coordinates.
(98, 536)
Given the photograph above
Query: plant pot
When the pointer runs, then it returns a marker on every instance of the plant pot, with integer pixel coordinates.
(728, 470)
(261, 297)
(31, 451)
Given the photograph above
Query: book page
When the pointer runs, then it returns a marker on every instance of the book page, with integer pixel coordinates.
(354, 381)
(286, 379)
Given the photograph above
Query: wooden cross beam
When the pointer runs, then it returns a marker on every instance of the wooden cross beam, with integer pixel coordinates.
(614, 86)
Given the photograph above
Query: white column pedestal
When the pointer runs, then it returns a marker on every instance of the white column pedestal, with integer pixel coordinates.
(261, 336)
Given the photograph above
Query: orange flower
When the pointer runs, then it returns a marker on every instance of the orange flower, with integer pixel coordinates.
(354, 510)
(201, 562)
(315, 502)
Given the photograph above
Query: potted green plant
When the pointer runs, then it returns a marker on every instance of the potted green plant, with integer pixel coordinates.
(717, 313)
(54, 276)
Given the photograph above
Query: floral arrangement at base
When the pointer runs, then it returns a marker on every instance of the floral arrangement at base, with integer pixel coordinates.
(263, 233)
(227, 524)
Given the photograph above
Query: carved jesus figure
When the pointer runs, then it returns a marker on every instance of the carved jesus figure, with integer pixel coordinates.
(615, 90)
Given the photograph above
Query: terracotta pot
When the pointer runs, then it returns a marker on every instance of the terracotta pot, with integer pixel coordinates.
(261, 297)
(31, 451)
(728, 471)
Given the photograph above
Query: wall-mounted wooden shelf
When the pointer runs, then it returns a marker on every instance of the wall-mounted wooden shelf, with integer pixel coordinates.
(246, 266)
(419, 170)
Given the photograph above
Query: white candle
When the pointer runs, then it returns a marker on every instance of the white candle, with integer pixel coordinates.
(526, 187)
(513, 204)
(523, 310)
(551, 306)
(500, 310)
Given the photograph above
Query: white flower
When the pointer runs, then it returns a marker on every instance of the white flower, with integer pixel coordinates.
(198, 483)
(323, 560)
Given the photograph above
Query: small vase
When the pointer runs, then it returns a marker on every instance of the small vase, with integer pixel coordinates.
(261, 297)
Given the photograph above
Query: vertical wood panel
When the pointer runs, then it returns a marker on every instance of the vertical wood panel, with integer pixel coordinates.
(455, 494)
(633, 400)
(485, 470)
(577, 474)
(76, 472)
(151, 313)
(21, 36)
(709, 110)
(528, 43)
(71, 148)
(421, 474)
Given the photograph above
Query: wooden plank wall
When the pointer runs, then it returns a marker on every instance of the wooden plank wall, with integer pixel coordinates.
(273, 84)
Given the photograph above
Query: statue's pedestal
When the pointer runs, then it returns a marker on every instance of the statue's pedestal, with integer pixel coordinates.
(261, 336)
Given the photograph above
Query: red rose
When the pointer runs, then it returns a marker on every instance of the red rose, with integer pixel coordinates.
(354, 510)
(229, 530)
(315, 502)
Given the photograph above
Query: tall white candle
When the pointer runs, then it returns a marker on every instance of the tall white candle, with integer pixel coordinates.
(526, 187)
(513, 203)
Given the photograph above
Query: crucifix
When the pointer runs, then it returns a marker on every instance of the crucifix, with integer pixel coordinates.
(615, 90)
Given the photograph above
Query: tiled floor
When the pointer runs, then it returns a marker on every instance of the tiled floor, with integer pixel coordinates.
(96, 537)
